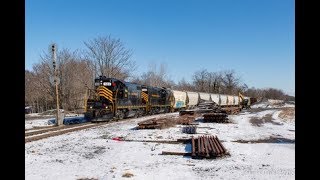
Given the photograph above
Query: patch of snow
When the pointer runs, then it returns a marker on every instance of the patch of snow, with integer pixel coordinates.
(272, 103)
(91, 153)
(288, 105)
(39, 123)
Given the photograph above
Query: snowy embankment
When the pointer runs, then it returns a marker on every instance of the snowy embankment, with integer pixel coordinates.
(271, 103)
(36, 123)
(40, 120)
(92, 153)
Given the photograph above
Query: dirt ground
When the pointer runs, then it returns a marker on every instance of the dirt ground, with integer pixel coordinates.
(287, 113)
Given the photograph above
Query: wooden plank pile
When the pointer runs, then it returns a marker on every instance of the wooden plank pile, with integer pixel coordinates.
(215, 117)
(186, 119)
(186, 112)
(157, 123)
(232, 110)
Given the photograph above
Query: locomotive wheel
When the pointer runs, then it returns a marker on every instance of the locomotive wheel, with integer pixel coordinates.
(89, 115)
(143, 112)
(120, 114)
(137, 113)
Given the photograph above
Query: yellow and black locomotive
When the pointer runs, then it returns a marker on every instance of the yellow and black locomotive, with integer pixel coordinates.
(116, 99)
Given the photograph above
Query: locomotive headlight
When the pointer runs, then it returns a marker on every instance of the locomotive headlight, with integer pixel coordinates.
(107, 83)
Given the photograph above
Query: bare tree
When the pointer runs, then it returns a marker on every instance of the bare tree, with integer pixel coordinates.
(135, 79)
(272, 93)
(34, 94)
(183, 85)
(200, 80)
(214, 82)
(74, 73)
(110, 57)
(268, 93)
(39, 88)
(156, 76)
(230, 82)
(217, 82)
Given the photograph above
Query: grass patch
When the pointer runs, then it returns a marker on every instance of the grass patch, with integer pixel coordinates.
(127, 175)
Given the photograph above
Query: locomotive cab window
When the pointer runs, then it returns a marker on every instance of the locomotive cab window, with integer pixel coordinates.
(126, 93)
(97, 82)
(123, 92)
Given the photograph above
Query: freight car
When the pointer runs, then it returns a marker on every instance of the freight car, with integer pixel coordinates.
(189, 100)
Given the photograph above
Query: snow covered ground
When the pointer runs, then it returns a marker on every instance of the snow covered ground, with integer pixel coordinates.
(48, 121)
(271, 103)
(48, 114)
(92, 153)
(36, 123)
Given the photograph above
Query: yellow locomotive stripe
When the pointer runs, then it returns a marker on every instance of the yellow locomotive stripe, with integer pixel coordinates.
(102, 88)
(105, 92)
(105, 95)
(144, 96)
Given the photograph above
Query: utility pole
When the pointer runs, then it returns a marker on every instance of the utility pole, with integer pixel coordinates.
(55, 79)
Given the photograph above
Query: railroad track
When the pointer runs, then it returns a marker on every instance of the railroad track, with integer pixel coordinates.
(38, 133)
(42, 130)
(49, 132)
(39, 127)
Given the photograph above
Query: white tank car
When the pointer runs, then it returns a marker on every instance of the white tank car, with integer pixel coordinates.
(215, 98)
(230, 100)
(223, 100)
(179, 99)
(236, 100)
(193, 98)
(205, 96)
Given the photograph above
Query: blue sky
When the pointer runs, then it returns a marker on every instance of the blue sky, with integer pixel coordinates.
(253, 37)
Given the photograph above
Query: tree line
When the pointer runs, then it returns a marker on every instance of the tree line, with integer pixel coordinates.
(108, 56)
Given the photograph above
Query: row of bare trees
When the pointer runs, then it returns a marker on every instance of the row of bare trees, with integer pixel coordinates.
(269, 93)
(108, 56)
(73, 72)
(225, 82)
(76, 71)
(155, 76)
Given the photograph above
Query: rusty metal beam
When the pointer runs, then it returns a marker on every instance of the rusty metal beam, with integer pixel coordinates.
(215, 146)
(206, 147)
(199, 146)
(217, 143)
(193, 147)
(224, 149)
(214, 151)
(175, 153)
